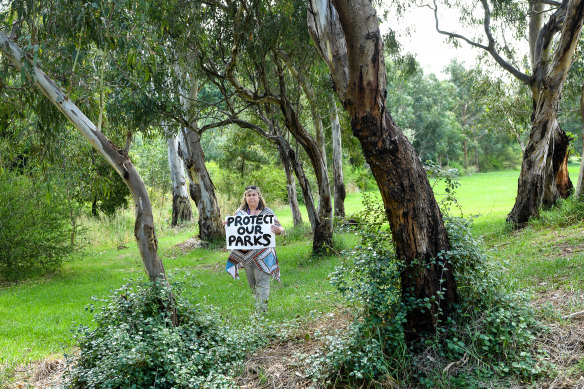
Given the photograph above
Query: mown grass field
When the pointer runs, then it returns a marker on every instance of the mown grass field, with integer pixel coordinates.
(36, 316)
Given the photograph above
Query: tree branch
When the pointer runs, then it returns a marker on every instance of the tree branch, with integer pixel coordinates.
(551, 2)
(490, 48)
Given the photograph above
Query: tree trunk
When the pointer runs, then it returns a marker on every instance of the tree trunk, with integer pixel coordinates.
(543, 175)
(117, 158)
(201, 187)
(465, 156)
(416, 222)
(323, 223)
(181, 205)
(579, 184)
(477, 153)
(291, 187)
(339, 182)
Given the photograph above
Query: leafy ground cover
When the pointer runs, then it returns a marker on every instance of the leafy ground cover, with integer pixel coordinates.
(546, 259)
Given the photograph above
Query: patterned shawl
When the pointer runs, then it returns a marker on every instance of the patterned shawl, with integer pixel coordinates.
(265, 259)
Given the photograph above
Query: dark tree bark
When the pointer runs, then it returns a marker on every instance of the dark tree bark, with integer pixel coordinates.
(416, 222)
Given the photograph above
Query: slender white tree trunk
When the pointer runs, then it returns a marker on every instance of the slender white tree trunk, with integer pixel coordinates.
(291, 188)
(181, 205)
(338, 179)
(201, 187)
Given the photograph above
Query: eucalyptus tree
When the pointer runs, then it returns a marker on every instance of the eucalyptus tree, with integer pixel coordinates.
(156, 90)
(493, 113)
(348, 38)
(572, 108)
(181, 206)
(338, 179)
(30, 28)
(553, 30)
(255, 42)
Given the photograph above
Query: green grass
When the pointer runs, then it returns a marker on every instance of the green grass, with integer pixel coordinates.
(36, 316)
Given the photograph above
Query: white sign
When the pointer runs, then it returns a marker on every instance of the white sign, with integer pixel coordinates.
(249, 232)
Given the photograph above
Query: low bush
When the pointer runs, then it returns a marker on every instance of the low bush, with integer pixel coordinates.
(34, 226)
(136, 345)
(490, 336)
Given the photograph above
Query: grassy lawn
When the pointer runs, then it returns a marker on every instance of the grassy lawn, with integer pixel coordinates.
(36, 316)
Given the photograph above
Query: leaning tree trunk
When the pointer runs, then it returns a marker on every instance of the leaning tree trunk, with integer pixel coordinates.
(181, 204)
(339, 182)
(117, 158)
(323, 227)
(417, 228)
(201, 188)
(291, 188)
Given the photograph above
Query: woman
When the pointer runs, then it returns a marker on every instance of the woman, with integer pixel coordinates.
(259, 264)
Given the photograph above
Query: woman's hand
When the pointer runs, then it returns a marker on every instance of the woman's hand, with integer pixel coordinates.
(277, 230)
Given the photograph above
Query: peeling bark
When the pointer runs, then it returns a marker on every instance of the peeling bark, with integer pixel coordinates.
(181, 205)
(339, 181)
(416, 222)
(201, 187)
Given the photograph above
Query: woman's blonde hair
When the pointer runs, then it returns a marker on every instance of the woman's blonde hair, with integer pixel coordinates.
(252, 188)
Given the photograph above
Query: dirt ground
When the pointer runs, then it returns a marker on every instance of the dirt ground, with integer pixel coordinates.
(278, 366)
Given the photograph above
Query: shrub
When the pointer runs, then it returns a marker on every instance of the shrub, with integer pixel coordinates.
(34, 226)
(492, 329)
(136, 345)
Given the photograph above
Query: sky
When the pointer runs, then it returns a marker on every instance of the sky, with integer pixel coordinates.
(431, 49)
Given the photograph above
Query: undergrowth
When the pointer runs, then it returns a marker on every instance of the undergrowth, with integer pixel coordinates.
(565, 212)
(135, 344)
(490, 337)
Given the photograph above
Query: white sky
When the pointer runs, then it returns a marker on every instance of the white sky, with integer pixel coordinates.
(431, 49)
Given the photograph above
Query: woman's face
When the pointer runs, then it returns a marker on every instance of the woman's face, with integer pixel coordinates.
(252, 198)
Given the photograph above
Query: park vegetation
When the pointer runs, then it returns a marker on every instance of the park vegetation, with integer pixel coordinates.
(111, 107)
